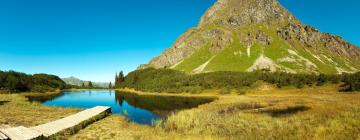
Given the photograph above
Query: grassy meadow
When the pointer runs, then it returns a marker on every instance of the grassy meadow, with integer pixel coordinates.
(311, 113)
(16, 110)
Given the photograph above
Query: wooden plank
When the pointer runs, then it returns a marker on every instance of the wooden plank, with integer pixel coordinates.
(51, 128)
(57, 126)
(3, 136)
(21, 133)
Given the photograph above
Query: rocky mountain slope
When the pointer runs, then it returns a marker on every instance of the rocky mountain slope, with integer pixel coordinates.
(77, 82)
(247, 35)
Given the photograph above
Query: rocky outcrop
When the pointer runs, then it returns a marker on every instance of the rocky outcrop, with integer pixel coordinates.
(245, 12)
(311, 37)
(182, 48)
(217, 40)
(263, 39)
(307, 35)
(340, 47)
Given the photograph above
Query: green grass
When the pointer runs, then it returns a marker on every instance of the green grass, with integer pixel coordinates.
(228, 61)
(195, 60)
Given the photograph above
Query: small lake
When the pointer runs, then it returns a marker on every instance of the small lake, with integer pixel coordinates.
(142, 109)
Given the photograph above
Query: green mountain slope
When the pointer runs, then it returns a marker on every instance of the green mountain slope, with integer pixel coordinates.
(247, 35)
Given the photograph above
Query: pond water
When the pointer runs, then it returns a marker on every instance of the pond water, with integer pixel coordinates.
(140, 109)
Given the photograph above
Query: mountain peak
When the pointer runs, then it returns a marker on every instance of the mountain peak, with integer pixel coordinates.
(245, 12)
(248, 35)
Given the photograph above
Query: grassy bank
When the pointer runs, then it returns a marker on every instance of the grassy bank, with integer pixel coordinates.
(309, 113)
(16, 110)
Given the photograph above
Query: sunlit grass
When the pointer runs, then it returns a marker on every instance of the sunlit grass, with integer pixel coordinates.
(17, 110)
(319, 113)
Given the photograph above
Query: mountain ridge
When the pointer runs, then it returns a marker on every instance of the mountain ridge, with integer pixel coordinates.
(248, 35)
(78, 82)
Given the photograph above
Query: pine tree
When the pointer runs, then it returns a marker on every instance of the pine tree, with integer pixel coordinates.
(116, 80)
(110, 85)
(90, 84)
(121, 76)
(83, 84)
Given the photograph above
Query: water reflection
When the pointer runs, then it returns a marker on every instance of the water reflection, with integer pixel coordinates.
(139, 109)
(161, 105)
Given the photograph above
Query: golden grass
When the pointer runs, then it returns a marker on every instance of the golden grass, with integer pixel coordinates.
(17, 110)
(320, 113)
(119, 128)
(311, 113)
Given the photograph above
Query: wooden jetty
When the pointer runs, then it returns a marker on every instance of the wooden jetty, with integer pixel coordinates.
(56, 127)
(3, 137)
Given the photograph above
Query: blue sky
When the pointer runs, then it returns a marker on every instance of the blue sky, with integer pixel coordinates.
(92, 39)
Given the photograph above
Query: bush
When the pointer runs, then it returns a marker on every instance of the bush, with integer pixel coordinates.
(352, 82)
(41, 89)
(241, 91)
(193, 89)
(225, 91)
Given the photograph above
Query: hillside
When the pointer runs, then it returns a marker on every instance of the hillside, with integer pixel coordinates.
(248, 35)
(77, 82)
(12, 82)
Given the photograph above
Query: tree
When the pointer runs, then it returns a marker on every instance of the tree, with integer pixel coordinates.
(119, 79)
(90, 84)
(83, 84)
(121, 76)
(110, 85)
(116, 80)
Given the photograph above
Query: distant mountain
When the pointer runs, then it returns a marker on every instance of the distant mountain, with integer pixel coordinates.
(77, 82)
(248, 35)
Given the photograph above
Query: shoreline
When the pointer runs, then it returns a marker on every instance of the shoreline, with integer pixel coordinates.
(143, 93)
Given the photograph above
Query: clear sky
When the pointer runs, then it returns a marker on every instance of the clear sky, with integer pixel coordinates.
(92, 39)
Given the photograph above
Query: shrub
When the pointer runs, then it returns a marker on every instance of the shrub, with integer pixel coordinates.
(225, 91)
(241, 91)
